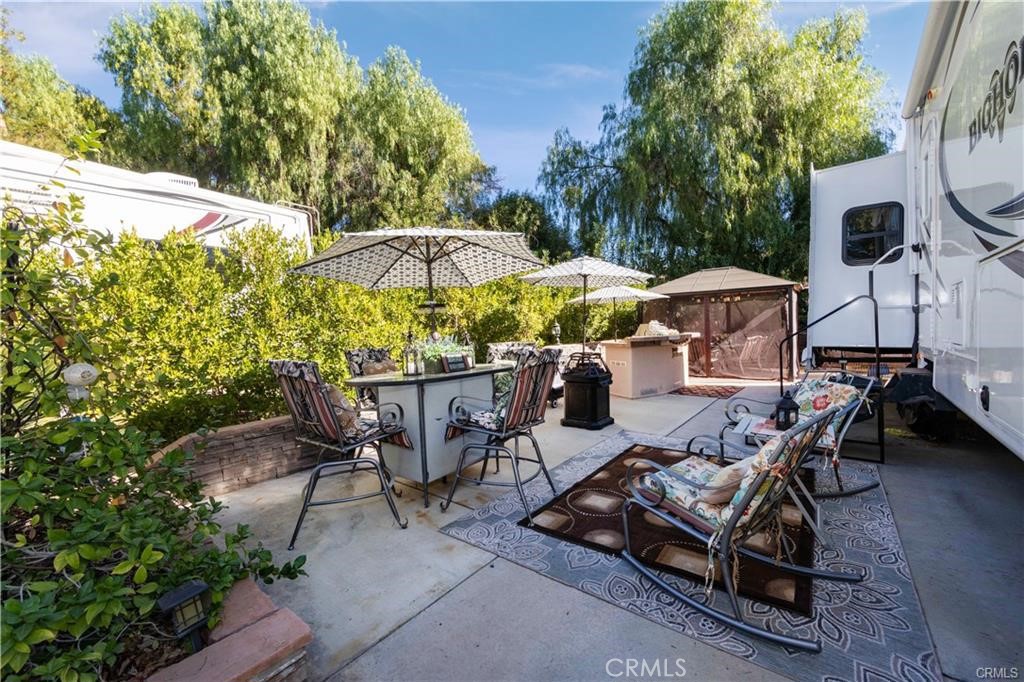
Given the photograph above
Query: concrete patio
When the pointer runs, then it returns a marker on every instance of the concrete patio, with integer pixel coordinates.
(388, 604)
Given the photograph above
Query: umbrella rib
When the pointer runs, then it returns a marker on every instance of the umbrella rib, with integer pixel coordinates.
(388, 269)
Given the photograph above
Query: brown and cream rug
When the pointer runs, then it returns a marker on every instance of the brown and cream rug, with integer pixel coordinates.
(709, 390)
(590, 514)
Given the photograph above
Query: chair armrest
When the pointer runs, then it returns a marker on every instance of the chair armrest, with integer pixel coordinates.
(645, 479)
(461, 406)
(737, 407)
(720, 444)
(390, 414)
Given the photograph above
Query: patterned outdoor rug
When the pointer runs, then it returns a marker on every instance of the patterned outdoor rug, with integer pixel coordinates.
(709, 391)
(590, 514)
(870, 631)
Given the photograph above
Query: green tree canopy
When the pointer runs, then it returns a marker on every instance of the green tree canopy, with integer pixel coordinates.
(255, 98)
(523, 212)
(706, 163)
(39, 108)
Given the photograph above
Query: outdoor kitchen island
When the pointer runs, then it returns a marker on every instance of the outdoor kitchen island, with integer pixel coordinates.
(424, 399)
(643, 366)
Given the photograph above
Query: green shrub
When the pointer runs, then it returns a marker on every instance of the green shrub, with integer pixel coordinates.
(94, 532)
(188, 339)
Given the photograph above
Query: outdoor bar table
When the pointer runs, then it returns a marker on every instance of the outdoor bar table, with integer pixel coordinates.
(424, 399)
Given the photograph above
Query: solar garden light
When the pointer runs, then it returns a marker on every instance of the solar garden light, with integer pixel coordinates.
(78, 377)
(556, 332)
(787, 413)
(188, 607)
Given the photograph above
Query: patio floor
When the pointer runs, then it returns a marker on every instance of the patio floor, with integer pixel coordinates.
(387, 604)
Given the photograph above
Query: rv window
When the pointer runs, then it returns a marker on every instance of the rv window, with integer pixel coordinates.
(870, 231)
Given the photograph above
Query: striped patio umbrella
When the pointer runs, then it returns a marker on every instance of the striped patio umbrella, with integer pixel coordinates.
(585, 272)
(422, 257)
(614, 294)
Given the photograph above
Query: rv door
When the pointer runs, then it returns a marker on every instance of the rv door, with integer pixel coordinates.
(859, 213)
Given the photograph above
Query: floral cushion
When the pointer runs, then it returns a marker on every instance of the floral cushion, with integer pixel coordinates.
(817, 395)
(758, 463)
(684, 500)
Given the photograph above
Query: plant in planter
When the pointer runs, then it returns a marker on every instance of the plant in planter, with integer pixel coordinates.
(433, 350)
(94, 530)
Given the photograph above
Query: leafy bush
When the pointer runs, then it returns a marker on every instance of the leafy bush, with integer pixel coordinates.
(94, 531)
(187, 343)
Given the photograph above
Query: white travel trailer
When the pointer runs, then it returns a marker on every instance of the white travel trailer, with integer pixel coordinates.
(940, 225)
(154, 204)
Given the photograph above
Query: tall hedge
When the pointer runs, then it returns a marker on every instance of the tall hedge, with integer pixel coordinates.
(187, 333)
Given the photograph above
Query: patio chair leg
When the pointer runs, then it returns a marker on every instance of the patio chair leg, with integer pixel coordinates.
(730, 589)
(519, 483)
(455, 480)
(483, 467)
(813, 646)
(385, 488)
(306, 497)
(540, 461)
(380, 457)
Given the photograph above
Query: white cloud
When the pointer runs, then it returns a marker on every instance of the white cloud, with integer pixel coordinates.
(68, 35)
(554, 76)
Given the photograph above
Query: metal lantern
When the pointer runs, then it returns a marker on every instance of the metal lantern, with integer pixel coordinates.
(787, 413)
(412, 358)
(556, 332)
(79, 377)
(188, 607)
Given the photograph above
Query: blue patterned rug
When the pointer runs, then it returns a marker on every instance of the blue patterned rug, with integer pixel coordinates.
(870, 631)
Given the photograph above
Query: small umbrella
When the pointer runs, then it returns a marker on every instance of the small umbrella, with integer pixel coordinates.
(614, 294)
(586, 271)
(422, 257)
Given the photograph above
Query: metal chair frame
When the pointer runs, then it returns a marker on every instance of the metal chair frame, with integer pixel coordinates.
(792, 450)
(738, 406)
(308, 429)
(530, 414)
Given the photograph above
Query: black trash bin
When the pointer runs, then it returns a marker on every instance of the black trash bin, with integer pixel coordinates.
(586, 380)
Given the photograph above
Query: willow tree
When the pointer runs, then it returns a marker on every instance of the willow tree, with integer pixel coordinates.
(706, 162)
(256, 98)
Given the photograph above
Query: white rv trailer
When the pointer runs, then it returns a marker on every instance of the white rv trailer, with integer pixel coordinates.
(153, 204)
(940, 224)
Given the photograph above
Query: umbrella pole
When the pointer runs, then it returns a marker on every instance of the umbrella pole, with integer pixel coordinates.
(430, 289)
(584, 313)
(615, 321)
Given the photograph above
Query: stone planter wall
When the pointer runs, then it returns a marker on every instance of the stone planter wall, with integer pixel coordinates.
(237, 456)
(255, 642)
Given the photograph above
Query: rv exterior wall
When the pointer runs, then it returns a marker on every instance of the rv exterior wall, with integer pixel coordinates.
(961, 180)
(117, 200)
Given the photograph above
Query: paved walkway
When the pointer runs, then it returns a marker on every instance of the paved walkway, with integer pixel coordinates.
(414, 604)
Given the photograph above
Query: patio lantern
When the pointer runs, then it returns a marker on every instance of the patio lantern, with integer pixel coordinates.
(412, 359)
(79, 377)
(188, 607)
(787, 413)
(556, 332)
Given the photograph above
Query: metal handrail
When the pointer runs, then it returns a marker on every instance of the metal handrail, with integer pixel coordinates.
(880, 412)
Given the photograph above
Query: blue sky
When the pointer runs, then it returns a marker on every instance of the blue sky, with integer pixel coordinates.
(519, 70)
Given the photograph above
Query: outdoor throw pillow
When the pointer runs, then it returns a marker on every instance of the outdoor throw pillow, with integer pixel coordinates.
(347, 415)
(381, 367)
(726, 482)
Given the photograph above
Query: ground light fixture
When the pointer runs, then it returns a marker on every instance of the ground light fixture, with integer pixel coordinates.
(188, 607)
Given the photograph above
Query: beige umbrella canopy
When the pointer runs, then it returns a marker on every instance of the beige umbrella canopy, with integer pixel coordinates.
(422, 257)
(584, 272)
(615, 294)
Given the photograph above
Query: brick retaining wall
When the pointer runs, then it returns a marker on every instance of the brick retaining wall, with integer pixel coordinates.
(237, 456)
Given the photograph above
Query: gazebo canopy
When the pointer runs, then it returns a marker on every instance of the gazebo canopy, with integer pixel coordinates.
(720, 279)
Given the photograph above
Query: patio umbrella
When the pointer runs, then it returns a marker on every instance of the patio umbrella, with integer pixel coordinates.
(586, 271)
(614, 294)
(422, 257)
